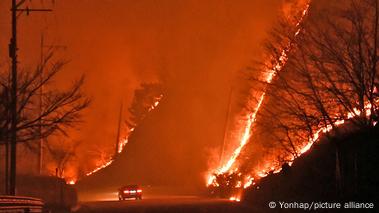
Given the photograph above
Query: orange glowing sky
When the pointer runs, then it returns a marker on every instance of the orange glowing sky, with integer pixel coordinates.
(196, 48)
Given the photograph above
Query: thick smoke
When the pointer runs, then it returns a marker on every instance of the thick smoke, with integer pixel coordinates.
(194, 48)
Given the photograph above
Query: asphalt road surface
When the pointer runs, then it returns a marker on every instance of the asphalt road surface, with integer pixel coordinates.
(169, 204)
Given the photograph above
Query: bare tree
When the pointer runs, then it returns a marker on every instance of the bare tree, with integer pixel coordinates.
(41, 114)
(281, 122)
(330, 74)
(100, 154)
(62, 152)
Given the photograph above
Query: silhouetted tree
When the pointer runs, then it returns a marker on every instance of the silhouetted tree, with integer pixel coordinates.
(61, 153)
(41, 114)
(331, 71)
(330, 75)
(275, 123)
(145, 99)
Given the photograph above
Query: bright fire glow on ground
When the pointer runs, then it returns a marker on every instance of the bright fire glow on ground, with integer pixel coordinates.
(236, 199)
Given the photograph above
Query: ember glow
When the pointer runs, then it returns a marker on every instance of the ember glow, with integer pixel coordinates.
(236, 199)
(249, 181)
(156, 102)
(250, 119)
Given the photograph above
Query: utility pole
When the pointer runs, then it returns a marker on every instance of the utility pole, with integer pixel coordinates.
(40, 128)
(226, 126)
(40, 144)
(7, 148)
(13, 55)
(13, 111)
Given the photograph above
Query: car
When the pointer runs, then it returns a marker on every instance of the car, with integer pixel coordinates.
(130, 191)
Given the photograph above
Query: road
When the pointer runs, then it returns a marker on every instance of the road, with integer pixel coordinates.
(168, 204)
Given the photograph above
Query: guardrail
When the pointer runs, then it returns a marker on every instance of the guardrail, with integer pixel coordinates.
(13, 204)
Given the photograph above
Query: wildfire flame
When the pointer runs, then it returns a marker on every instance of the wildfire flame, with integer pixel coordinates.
(249, 180)
(100, 167)
(236, 199)
(156, 103)
(252, 116)
(124, 141)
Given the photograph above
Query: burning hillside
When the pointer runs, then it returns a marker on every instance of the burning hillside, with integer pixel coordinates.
(313, 86)
(146, 99)
(229, 168)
